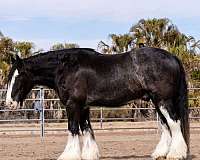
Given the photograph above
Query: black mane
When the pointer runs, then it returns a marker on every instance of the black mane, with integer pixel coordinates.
(48, 63)
(63, 52)
(56, 56)
(59, 55)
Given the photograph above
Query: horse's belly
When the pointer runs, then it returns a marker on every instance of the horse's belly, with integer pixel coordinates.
(112, 97)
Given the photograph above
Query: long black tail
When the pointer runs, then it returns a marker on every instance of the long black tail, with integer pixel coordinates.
(182, 104)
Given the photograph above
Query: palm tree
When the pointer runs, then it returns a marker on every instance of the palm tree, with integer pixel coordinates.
(120, 43)
(6, 46)
(162, 33)
(194, 45)
(1, 35)
(71, 45)
(104, 48)
(59, 46)
(152, 31)
(24, 48)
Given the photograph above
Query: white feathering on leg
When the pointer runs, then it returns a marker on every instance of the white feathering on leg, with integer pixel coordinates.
(163, 146)
(90, 149)
(178, 148)
(72, 150)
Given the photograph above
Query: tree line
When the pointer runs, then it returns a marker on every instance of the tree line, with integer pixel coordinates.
(24, 49)
(159, 33)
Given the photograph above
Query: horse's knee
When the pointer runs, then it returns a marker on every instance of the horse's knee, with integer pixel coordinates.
(73, 113)
(74, 128)
(85, 119)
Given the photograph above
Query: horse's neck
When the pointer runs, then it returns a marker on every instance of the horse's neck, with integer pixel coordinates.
(45, 79)
(44, 73)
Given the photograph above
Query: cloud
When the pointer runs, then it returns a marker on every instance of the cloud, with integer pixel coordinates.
(107, 10)
(13, 18)
(46, 43)
(89, 21)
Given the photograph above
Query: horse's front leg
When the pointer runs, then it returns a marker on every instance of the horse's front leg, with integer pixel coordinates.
(90, 149)
(72, 150)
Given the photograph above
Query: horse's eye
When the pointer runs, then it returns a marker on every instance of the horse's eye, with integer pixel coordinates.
(17, 77)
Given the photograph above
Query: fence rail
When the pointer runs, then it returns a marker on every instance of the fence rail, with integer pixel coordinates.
(41, 99)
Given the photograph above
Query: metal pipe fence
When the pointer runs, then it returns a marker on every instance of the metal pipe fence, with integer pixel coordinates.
(41, 99)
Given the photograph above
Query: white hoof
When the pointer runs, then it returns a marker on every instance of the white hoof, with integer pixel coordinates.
(158, 154)
(69, 157)
(163, 146)
(178, 148)
(72, 149)
(90, 149)
(161, 151)
(177, 154)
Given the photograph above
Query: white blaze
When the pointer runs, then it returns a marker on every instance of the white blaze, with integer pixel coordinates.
(10, 87)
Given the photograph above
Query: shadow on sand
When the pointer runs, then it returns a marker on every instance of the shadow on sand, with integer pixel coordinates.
(127, 157)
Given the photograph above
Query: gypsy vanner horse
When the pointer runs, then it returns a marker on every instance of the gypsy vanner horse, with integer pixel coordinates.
(83, 77)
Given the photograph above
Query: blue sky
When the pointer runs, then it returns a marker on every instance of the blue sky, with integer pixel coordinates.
(86, 22)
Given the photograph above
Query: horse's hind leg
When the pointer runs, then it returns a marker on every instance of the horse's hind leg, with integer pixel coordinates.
(72, 150)
(178, 148)
(90, 149)
(163, 146)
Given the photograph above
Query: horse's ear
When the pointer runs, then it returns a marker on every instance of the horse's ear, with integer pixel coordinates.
(19, 62)
(18, 58)
(12, 59)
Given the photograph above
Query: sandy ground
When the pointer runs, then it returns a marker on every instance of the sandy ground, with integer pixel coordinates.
(114, 144)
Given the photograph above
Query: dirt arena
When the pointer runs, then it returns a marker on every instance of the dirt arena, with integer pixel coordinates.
(114, 144)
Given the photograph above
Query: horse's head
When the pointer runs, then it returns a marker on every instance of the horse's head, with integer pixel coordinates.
(19, 83)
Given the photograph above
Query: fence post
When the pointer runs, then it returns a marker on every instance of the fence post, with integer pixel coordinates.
(42, 111)
(101, 117)
(158, 123)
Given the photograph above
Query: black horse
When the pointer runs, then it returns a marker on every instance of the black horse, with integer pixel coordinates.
(83, 77)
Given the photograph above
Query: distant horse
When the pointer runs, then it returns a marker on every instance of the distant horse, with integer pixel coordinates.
(83, 77)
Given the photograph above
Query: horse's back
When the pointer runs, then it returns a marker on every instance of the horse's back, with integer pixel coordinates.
(158, 69)
(116, 79)
(150, 54)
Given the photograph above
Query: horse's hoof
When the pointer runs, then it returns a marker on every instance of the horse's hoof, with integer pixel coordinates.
(69, 158)
(161, 158)
(158, 156)
(173, 156)
(176, 159)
